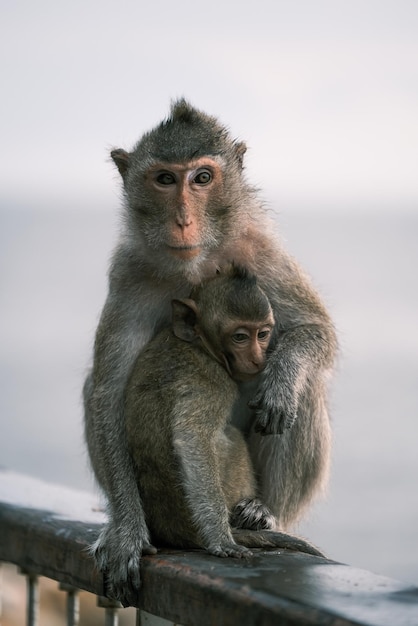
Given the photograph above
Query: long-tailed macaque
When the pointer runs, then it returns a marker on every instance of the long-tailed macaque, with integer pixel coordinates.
(193, 468)
(188, 211)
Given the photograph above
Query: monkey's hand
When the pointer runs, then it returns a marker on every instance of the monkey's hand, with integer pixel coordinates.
(229, 548)
(275, 404)
(118, 553)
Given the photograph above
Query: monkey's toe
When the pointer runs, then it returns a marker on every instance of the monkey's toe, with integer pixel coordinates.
(230, 549)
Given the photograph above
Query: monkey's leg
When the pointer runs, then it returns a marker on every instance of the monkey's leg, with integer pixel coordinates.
(294, 467)
(271, 539)
(205, 495)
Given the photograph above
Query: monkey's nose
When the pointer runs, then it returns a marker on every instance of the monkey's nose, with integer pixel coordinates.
(183, 219)
(257, 358)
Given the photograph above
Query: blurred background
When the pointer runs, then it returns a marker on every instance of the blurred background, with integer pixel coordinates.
(326, 95)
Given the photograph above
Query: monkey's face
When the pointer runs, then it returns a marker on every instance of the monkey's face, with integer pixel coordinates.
(180, 208)
(245, 348)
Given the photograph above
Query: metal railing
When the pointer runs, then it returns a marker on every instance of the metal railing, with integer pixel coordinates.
(73, 604)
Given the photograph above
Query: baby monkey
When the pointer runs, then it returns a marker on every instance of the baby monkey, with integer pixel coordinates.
(192, 466)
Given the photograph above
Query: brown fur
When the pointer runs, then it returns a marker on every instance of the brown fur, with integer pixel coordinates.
(193, 468)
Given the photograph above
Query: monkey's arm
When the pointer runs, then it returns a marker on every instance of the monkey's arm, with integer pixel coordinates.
(302, 354)
(296, 366)
(120, 545)
(123, 330)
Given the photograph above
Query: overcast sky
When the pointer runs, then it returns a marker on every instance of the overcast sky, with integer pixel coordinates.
(324, 92)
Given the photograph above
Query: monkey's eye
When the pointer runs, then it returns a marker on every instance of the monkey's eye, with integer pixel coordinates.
(239, 337)
(203, 177)
(263, 334)
(166, 178)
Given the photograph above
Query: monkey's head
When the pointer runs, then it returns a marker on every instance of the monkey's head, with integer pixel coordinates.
(231, 317)
(183, 186)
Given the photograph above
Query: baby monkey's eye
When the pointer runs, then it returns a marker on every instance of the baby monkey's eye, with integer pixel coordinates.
(166, 178)
(239, 337)
(263, 334)
(203, 177)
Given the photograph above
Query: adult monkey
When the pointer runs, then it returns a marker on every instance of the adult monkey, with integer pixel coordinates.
(188, 211)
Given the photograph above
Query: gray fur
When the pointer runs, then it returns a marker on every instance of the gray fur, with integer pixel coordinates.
(290, 405)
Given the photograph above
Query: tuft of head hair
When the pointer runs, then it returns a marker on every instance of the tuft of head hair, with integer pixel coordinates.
(182, 111)
(188, 133)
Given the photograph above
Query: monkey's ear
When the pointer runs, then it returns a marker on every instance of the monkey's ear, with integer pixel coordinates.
(240, 150)
(184, 314)
(121, 159)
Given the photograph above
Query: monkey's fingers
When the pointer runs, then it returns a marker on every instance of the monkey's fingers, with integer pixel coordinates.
(275, 407)
(119, 558)
(125, 580)
(122, 581)
(274, 420)
(270, 422)
(265, 426)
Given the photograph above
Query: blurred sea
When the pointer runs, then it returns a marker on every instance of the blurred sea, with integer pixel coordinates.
(53, 285)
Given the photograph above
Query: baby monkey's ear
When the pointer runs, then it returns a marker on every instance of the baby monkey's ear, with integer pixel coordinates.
(184, 319)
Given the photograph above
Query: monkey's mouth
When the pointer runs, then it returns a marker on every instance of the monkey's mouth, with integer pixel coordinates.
(185, 252)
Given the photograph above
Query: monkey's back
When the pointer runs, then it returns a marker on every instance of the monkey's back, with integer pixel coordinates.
(171, 386)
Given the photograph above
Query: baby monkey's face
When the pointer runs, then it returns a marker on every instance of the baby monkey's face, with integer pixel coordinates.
(245, 347)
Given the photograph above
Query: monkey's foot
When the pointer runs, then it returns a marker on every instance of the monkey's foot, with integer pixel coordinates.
(229, 548)
(118, 555)
(251, 513)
